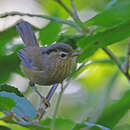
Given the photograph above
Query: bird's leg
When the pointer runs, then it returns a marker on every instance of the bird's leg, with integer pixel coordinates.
(44, 99)
(35, 89)
(43, 105)
(51, 92)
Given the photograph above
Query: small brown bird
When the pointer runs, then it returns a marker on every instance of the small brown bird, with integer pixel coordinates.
(44, 65)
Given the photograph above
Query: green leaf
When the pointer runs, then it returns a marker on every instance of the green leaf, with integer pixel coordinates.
(11, 89)
(12, 125)
(8, 64)
(49, 34)
(112, 114)
(6, 36)
(60, 124)
(23, 107)
(4, 128)
(54, 9)
(116, 12)
(6, 104)
(90, 44)
(33, 125)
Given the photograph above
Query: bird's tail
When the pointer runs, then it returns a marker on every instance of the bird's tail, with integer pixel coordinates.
(26, 33)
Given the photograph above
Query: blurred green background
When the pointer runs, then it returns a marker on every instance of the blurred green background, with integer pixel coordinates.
(98, 85)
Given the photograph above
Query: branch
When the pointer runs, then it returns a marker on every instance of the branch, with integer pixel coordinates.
(117, 61)
(51, 18)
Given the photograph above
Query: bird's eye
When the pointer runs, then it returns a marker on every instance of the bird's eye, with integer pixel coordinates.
(63, 54)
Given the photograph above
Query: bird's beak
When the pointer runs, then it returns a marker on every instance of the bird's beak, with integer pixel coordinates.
(74, 54)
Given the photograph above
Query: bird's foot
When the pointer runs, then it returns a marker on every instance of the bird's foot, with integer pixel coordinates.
(46, 102)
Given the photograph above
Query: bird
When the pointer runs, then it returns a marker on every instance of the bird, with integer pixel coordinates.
(44, 65)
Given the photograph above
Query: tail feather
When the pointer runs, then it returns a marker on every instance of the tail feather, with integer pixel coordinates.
(26, 33)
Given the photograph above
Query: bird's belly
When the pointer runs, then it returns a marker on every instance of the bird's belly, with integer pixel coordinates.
(42, 77)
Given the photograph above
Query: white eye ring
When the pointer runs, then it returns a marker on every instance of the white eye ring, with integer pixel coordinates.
(63, 54)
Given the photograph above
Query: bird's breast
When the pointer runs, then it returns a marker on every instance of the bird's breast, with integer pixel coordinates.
(54, 73)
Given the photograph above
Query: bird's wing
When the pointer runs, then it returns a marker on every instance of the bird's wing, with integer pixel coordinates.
(27, 62)
(30, 57)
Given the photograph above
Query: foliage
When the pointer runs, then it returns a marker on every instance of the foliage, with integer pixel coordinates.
(98, 75)
(102, 39)
(15, 102)
(52, 29)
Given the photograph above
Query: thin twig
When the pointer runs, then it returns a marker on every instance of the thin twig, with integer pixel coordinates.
(82, 29)
(127, 60)
(116, 60)
(57, 107)
(74, 9)
(51, 18)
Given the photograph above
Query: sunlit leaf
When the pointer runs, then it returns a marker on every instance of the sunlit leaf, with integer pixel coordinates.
(6, 103)
(106, 61)
(12, 126)
(33, 125)
(53, 8)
